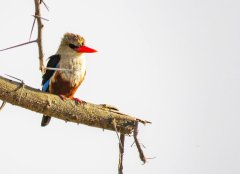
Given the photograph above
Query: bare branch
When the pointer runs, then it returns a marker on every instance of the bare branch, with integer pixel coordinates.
(115, 128)
(121, 152)
(25, 43)
(44, 5)
(49, 104)
(140, 151)
(36, 16)
(39, 40)
(34, 21)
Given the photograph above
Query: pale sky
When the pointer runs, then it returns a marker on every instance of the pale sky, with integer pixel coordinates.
(175, 63)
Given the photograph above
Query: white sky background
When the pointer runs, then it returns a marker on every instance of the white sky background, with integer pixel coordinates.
(175, 63)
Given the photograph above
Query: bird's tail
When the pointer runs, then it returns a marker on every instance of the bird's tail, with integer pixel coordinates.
(45, 120)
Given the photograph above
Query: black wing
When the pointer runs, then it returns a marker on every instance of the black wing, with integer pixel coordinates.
(53, 63)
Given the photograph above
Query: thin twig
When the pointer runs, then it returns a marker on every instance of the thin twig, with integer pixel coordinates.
(34, 21)
(132, 144)
(141, 144)
(14, 78)
(121, 151)
(36, 16)
(152, 157)
(44, 5)
(62, 69)
(39, 40)
(115, 127)
(22, 86)
(25, 43)
(3, 104)
(144, 121)
(140, 151)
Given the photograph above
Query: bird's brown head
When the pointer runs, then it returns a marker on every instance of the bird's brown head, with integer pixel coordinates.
(76, 43)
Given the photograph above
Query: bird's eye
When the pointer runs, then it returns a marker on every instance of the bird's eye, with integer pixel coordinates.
(73, 46)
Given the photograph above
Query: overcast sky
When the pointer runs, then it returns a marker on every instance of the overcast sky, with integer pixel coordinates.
(175, 63)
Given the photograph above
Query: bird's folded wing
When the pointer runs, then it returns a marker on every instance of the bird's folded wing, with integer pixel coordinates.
(53, 62)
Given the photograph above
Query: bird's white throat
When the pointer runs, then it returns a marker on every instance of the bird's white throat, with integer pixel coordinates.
(76, 64)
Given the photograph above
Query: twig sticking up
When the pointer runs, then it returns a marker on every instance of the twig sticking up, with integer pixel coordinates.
(39, 40)
(121, 151)
(32, 28)
(44, 5)
(140, 151)
(25, 43)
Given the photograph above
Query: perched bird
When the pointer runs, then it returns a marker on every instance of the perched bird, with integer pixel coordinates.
(68, 69)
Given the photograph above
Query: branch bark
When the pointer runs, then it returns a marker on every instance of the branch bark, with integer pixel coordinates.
(121, 151)
(39, 40)
(101, 116)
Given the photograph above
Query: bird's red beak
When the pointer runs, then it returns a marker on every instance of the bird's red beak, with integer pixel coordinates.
(84, 49)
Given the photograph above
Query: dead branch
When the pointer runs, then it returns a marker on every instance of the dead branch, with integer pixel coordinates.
(19, 45)
(34, 21)
(40, 17)
(39, 40)
(121, 151)
(115, 128)
(49, 104)
(140, 151)
(44, 5)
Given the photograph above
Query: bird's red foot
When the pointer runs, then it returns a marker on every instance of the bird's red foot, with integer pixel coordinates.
(78, 101)
(63, 97)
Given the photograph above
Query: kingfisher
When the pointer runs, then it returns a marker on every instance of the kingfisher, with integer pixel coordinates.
(66, 69)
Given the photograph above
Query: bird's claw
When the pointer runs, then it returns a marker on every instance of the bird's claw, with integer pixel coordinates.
(63, 97)
(78, 101)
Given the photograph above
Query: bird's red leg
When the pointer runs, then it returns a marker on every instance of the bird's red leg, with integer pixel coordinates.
(78, 101)
(63, 97)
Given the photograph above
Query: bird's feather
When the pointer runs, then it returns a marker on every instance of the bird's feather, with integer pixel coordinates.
(53, 63)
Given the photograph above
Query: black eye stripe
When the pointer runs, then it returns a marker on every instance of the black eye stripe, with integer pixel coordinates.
(73, 46)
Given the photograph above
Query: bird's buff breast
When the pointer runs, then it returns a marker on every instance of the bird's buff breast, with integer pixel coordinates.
(77, 67)
(67, 81)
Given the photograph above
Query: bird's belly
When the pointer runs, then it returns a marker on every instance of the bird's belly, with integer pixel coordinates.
(65, 83)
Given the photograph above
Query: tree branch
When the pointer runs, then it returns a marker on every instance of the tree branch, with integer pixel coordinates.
(19, 45)
(39, 40)
(121, 151)
(100, 116)
(140, 151)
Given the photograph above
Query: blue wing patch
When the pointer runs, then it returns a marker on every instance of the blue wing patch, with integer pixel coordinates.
(46, 86)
